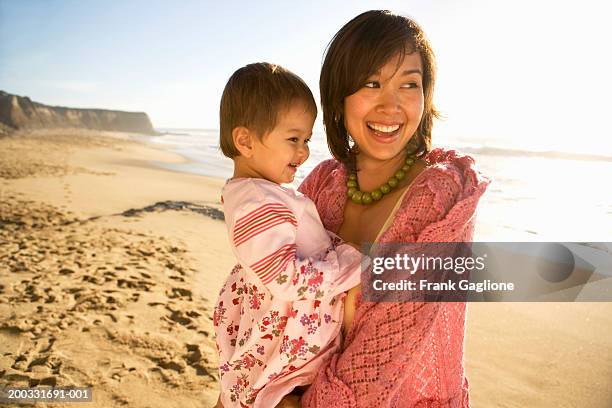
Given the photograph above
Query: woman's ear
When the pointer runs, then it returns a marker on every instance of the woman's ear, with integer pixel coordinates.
(243, 140)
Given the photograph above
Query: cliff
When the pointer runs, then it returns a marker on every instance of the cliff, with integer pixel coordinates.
(18, 112)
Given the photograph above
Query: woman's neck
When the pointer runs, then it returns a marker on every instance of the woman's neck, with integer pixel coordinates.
(372, 173)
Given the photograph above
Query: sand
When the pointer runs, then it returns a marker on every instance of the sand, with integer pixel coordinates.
(110, 267)
(95, 292)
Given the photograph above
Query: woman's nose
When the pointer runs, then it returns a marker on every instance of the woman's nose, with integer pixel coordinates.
(389, 101)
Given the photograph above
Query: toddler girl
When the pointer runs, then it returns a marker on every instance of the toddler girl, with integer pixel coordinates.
(279, 315)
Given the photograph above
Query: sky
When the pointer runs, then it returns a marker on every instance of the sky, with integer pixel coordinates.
(534, 73)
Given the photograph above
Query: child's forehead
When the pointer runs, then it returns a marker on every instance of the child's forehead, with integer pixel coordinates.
(296, 113)
(292, 126)
(296, 106)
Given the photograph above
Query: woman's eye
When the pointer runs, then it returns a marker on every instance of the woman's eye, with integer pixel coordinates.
(293, 139)
(410, 85)
(372, 84)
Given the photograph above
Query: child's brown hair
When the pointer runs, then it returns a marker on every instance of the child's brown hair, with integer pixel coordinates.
(254, 96)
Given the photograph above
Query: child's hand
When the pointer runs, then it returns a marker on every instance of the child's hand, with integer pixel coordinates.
(290, 401)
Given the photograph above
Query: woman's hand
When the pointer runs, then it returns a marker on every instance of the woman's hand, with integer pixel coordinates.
(349, 309)
(219, 404)
(290, 401)
(357, 247)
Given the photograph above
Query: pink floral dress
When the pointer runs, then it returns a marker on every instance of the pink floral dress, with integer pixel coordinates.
(279, 314)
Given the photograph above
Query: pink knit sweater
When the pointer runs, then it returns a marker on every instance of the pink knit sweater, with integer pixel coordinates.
(402, 354)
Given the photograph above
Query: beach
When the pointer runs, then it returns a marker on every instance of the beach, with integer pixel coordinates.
(97, 290)
(111, 262)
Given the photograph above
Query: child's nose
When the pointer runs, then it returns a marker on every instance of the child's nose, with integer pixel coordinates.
(303, 151)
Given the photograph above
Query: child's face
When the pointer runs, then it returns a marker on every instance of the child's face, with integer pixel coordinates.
(282, 150)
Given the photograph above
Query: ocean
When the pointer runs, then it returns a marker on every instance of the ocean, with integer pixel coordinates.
(535, 195)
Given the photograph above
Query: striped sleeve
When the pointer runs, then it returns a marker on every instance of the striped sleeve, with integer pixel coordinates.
(260, 220)
(264, 237)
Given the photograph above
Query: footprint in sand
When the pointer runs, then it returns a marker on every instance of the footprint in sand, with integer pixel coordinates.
(201, 364)
(35, 366)
(178, 293)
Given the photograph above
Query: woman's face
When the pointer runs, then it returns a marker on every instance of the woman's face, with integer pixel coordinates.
(386, 111)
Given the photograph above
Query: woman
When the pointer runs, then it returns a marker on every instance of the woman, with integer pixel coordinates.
(386, 185)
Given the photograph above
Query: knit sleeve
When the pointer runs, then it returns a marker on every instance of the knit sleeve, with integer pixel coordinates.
(457, 187)
(264, 238)
(383, 351)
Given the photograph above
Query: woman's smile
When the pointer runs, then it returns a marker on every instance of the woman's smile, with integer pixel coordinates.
(384, 133)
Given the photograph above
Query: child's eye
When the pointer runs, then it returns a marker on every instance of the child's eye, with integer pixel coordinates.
(372, 84)
(307, 141)
(293, 139)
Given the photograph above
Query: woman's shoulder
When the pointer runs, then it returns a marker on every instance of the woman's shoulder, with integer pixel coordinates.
(327, 174)
(327, 167)
(446, 166)
(442, 201)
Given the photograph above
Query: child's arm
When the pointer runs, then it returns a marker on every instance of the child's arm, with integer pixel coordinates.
(264, 236)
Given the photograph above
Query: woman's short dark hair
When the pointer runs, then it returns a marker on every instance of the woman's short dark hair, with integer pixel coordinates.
(363, 46)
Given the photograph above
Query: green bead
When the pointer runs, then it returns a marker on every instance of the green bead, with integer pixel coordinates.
(356, 197)
(376, 195)
(359, 197)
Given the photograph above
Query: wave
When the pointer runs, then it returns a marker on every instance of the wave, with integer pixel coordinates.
(549, 154)
(196, 137)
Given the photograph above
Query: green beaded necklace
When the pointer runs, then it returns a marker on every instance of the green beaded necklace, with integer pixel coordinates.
(359, 197)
